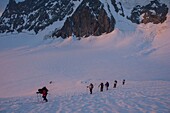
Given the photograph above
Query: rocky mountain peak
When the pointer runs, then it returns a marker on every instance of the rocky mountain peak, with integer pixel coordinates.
(154, 12)
(12, 2)
(34, 15)
(79, 17)
(90, 18)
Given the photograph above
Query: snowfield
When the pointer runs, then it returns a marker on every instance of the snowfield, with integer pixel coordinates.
(142, 58)
(137, 53)
(29, 63)
(133, 97)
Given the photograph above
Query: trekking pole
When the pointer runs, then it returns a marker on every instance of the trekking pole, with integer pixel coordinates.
(37, 97)
(41, 99)
(87, 89)
(49, 95)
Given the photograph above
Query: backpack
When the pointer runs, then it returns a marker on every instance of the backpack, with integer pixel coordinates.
(91, 86)
(107, 84)
(40, 91)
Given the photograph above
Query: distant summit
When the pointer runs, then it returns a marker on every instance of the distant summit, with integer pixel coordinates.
(79, 17)
(154, 12)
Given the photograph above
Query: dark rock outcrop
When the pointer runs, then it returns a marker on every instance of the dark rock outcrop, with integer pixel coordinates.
(90, 18)
(118, 7)
(154, 12)
(34, 14)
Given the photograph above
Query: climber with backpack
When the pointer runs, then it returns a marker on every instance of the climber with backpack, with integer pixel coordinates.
(101, 87)
(90, 87)
(115, 83)
(44, 92)
(107, 85)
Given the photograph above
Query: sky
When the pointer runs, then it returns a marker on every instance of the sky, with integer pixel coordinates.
(3, 4)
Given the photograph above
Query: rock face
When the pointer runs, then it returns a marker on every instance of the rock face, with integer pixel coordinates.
(80, 17)
(34, 15)
(118, 7)
(154, 12)
(90, 18)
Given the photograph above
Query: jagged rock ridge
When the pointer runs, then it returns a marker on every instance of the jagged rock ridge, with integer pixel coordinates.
(90, 17)
(34, 15)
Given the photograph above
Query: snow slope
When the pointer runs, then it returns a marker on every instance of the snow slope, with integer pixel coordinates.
(28, 63)
(134, 97)
(138, 53)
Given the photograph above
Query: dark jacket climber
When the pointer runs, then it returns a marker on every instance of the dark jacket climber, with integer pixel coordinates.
(107, 85)
(115, 83)
(90, 88)
(44, 92)
(101, 87)
(123, 82)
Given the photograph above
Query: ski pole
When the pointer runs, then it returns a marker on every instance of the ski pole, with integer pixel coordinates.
(37, 98)
(87, 89)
